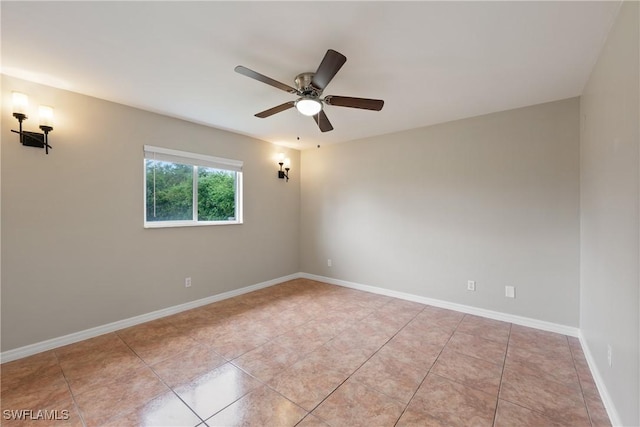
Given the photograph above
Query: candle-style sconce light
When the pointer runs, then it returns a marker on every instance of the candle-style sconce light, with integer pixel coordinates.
(284, 174)
(32, 139)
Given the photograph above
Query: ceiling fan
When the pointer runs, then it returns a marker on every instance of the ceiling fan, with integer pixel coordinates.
(309, 88)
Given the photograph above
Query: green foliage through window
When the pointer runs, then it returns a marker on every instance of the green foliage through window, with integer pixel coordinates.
(170, 192)
(216, 195)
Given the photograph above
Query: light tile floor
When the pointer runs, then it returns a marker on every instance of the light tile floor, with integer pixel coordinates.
(310, 354)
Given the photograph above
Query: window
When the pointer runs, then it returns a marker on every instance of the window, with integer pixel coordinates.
(183, 189)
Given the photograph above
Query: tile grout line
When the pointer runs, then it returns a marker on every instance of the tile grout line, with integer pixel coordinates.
(537, 411)
(476, 357)
(504, 364)
(174, 392)
(573, 360)
(307, 354)
(264, 384)
(73, 397)
(157, 376)
(226, 361)
(230, 361)
(369, 358)
(239, 398)
(429, 370)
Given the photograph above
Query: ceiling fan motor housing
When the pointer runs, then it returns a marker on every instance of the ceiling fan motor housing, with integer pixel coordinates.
(304, 86)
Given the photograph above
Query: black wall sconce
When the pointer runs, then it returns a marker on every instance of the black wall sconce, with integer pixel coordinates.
(32, 139)
(284, 174)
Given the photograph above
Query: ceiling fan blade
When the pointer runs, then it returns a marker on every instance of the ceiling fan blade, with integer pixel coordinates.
(264, 79)
(362, 103)
(331, 63)
(274, 110)
(323, 121)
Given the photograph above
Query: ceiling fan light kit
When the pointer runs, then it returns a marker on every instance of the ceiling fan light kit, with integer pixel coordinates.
(308, 106)
(309, 88)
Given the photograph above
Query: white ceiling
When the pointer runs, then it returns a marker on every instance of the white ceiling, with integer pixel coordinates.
(430, 61)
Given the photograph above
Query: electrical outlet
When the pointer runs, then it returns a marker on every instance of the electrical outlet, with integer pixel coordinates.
(471, 285)
(609, 354)
(329, 263)
(510, 291)
(187, 282)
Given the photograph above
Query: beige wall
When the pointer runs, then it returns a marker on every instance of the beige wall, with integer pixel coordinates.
(610, 215)
(492, 199)
(74, 251)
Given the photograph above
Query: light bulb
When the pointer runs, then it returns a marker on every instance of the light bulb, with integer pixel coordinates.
(308, 106)
(46, 116)
(20, 103)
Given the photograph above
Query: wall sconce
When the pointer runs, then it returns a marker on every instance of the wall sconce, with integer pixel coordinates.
(282, 174)
(32, 139)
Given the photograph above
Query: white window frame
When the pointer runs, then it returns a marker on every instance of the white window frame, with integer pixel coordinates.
(195, 160)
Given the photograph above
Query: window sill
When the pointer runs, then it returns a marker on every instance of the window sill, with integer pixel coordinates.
(172, 224)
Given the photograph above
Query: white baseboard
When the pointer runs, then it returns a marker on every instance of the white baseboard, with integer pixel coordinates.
(496, 315)
(28, 350)
(614, 417)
